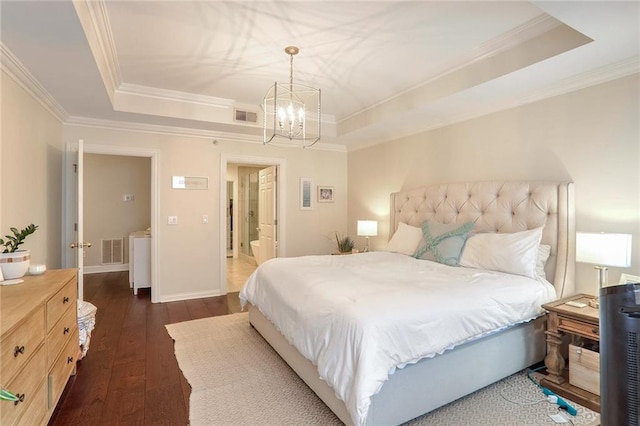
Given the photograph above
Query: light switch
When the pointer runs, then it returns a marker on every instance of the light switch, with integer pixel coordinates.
(173, 220)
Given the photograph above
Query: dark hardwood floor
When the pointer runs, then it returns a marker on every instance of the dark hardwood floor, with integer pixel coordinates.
(130, 374)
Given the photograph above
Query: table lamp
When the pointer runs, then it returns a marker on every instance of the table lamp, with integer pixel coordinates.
(367, 228)
(603, 250)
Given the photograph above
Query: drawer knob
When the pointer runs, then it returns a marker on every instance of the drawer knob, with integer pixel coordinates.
(20, 399)
(65, 299)
(69, 359)
(66, 330)
(594, 330)
(18, 350)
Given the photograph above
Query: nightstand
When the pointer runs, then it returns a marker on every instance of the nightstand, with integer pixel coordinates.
(562, 320)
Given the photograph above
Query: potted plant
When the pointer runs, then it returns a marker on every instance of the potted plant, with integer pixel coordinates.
(13, 262)
(344, 244)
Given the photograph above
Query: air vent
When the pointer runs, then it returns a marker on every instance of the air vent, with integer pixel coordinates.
(112, 251)
(246, 116)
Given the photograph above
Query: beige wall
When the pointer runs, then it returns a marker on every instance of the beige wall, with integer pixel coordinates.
(106, 179)
(189, 257)
(590, 137)
(30, 177)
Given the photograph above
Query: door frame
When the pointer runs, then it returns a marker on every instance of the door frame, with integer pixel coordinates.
(69, 200)
(280, 163)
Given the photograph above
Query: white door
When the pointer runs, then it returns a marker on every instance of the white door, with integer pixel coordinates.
(267, 213)
(79, 245)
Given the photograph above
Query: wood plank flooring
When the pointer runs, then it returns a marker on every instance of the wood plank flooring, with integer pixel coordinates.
(130, 374)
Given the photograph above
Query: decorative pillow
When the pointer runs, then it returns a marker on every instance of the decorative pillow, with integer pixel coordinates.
(405, 240)
(442, 243)
(544, 251)
(514, 253)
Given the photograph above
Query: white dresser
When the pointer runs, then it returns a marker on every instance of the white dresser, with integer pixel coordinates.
(139, 260)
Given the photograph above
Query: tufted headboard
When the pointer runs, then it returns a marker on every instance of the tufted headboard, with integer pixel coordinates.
(501, 206)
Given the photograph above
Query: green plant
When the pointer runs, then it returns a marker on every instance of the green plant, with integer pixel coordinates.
(345, 244)
(13, 241)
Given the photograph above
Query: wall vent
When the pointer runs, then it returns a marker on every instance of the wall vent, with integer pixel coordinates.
(245, 116)
(112, 251)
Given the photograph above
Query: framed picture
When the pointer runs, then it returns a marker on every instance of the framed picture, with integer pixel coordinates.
(325, 194)
(305, 193)
(629, 279)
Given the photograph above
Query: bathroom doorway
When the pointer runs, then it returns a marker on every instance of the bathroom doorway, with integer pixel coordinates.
(243, 224)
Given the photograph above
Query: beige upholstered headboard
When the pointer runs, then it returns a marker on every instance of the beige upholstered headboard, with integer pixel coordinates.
(501, 206)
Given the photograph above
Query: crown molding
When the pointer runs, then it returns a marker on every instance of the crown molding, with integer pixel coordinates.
(185, 132)
(94, 19)
(581, 81)
(15, 69)
(534, 27)
(173, 95)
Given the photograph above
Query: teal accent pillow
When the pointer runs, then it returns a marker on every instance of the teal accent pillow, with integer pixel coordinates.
(443, 243)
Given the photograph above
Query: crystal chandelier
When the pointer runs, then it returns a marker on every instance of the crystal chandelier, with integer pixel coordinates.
(292, 111)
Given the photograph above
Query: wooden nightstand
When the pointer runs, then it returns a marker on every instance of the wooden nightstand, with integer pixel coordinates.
(579, 323)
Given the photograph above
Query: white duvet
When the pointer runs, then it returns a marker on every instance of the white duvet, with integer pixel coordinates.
(359, 317)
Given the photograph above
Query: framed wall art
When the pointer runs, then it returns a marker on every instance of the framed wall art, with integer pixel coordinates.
(325, 194)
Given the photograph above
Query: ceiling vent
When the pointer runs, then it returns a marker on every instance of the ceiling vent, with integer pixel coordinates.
(245, 116)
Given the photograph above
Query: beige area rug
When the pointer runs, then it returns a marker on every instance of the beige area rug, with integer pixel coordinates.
(236, 378)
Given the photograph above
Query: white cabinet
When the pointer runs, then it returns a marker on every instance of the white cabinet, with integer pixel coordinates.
(139, 260)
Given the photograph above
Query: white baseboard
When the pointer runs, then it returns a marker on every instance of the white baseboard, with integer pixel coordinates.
(98, 269)
(186, 296)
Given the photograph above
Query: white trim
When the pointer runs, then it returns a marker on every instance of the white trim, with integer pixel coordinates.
(154, 93)
(99, 269)
(15, 69)
(175, 297)
(94, 19)
(156, 293)
(225, 159)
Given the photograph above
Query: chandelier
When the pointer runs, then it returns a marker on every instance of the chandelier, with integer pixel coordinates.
(292, 111)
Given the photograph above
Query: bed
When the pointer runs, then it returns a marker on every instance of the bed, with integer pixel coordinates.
(436, 377)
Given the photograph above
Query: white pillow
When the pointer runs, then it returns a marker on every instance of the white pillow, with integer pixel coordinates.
(405, 240)
(514, 253)
(544, 251)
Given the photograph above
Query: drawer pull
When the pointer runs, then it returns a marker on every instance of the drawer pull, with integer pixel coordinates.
(69, 359)
(65, 300)
(18, 350)
(66, 330)
(20, 399)
(594, 330)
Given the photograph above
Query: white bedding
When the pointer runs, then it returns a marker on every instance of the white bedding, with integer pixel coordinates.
(359, 317)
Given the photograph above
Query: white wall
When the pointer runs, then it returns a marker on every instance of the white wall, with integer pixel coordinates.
(189, 253)
(106, 179)
(30, 177)
(590, 137)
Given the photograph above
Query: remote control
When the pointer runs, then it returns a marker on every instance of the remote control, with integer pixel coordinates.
(576, 304)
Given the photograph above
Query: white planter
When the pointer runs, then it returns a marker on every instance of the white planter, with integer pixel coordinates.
(14, 265)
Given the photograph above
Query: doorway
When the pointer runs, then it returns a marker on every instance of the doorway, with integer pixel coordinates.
(70, 197)
(244, 170)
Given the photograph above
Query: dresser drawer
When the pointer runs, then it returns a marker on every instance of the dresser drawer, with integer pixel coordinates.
(58, 304)
(62, 369)
(25, 385)
(580, 328)
(18, 346)
(60, 334)
(35, 412)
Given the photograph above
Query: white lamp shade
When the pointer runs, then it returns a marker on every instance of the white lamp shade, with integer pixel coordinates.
(367, 228)
(603, 249)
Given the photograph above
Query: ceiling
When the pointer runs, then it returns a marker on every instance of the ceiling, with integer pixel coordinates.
(386, 69)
